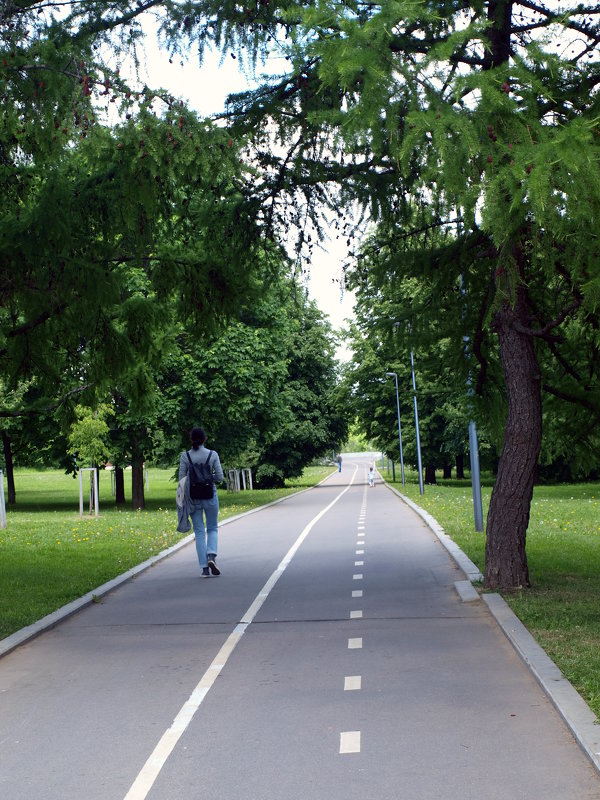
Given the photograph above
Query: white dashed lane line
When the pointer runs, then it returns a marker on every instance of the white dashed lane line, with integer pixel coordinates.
(350, 742)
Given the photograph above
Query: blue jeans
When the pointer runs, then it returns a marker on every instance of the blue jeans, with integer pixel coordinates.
(206, 538)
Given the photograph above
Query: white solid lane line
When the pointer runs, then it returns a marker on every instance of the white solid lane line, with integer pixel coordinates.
(350, 742)
(150, 771)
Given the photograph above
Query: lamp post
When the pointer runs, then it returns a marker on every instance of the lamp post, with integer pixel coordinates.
(419, 463)
(473, 442)
(395, 374)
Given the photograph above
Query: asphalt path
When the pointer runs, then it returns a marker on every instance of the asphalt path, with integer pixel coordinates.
(332, 659)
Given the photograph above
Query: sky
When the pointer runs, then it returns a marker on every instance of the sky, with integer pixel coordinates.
(205, 89)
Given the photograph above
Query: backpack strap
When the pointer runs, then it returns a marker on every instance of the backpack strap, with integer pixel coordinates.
(187, 452)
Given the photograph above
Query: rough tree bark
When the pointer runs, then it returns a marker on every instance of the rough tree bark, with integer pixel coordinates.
(11, 497)
(508, 516)
(430, 474)
(119, 486)
(460, 467)
(137, 477)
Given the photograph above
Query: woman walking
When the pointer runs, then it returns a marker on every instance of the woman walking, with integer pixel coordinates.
(199, 460)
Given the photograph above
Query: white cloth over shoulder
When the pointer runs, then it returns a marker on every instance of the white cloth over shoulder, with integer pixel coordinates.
(183, 506)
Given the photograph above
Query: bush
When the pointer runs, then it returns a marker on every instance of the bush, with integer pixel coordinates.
(269, 476)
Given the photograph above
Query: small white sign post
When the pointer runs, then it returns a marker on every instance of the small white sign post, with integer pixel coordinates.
(95, 477)
(2, 503)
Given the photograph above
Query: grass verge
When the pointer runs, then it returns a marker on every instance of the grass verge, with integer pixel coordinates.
(561, 610)
(49, 555)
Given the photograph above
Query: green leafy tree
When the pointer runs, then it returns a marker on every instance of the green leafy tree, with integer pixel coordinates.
(88, 438)
(263, 389)
(357, 441)
(395, 318)
(229, 383)
(473, 115)
(312, 422)
(123, 211)
(463, 118)
(105, 226)
(492, 133)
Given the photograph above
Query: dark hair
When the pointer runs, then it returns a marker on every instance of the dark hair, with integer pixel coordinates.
(197, 437)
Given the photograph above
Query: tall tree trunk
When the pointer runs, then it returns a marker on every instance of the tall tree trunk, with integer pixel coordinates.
(498, 34)
(460, 467)
(137, 477)
(11, 498)
(447, 471)
(508, 516)
(119, 486)
(430, 474)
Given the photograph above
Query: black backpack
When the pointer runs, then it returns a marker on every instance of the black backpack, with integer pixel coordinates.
(201, 479)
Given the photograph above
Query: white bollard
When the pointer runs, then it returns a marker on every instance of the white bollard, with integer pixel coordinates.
(96, 499)
(2, 502)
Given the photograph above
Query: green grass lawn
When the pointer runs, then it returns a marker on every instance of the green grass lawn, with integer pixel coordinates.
(49, 555)
(562, 609)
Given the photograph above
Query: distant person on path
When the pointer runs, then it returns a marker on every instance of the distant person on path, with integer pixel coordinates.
(199, 509)
(371, 475)
(339, 462)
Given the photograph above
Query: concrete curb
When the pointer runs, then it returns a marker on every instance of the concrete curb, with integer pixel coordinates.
(467, 592)
(24, 635)
(564, 697)
(575, 712)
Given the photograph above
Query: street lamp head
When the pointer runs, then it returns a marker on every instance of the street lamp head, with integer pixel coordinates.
(390, 373)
